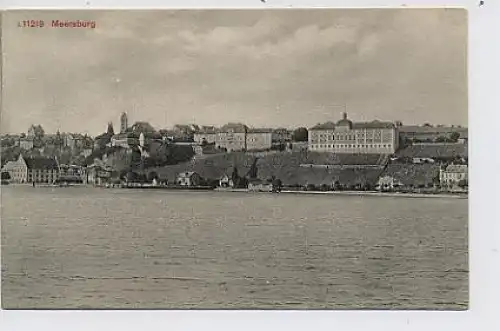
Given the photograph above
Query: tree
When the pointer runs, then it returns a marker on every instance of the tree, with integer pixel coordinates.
(454, 137)
(5, 175)
(131, 176)
(36, 131)
(142, 127)
(441, 139)
(122, 174)
(300, 134)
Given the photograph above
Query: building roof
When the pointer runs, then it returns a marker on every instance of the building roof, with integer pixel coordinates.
(207, 130)
(457, 168)
(186, 174)
(324, 126)
(344, 122)
(373, 125)
(432, 129)
(42, 163)
(104, 135)
(142, 127)
(356, 125)
(9, 165)
(260, 130)
(126, 135)
(258, 181)
(234, 127)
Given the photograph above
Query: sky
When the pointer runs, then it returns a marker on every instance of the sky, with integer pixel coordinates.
(265, 68)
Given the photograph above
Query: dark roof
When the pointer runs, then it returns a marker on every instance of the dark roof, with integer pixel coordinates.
(356, 125)
(432, 129)
(43, 163)
(260, 130)
(344, 121)
(126, 135)
(373, 125)
(324, 126)
(103, 136)
(207, 129)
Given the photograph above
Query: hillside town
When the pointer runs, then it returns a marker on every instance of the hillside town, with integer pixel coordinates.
(338, 155)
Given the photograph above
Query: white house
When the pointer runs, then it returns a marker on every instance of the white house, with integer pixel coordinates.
(258, 185)
(188, 178)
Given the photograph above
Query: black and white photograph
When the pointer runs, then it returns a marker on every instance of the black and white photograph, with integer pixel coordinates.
(259, 159)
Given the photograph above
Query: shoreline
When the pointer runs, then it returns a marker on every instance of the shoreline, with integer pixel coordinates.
(229, 190)
(382, 194)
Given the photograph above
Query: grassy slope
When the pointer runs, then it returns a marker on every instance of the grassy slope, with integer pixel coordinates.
(285, 166)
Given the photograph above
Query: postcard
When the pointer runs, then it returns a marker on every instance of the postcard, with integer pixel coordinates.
(285, 159)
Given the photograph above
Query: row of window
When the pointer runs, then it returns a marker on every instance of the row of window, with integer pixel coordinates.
(350, 146)
(360, 141)
(346, 137)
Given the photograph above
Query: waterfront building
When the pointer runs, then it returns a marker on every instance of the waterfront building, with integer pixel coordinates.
(374, 137)
(97, 174)
(454, 176)
(42, 169)
(35, 169)
(259, 185)
(189, 178)
(226, 181)
(18, 170)
(72, 173)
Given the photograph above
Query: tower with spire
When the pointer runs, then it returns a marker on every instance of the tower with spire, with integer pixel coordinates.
(110, 130)
(123, 123)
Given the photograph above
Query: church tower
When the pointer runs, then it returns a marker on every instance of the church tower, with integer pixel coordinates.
(123, 123)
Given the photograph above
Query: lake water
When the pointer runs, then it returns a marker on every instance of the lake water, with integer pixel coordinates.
(81, 247)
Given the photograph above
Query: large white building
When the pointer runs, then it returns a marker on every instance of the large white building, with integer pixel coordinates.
(235, 137)
(347, 137)
(453, 176)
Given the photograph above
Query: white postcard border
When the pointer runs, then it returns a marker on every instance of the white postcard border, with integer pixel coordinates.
(484, 226)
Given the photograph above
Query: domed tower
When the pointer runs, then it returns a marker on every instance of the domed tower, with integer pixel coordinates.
(123, 123)
(344, 124)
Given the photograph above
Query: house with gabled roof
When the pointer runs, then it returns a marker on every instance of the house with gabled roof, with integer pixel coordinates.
(32, 169)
